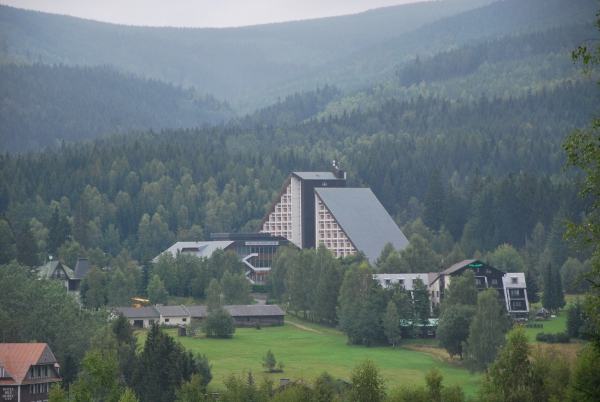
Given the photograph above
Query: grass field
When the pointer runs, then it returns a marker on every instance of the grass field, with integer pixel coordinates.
(306, 354)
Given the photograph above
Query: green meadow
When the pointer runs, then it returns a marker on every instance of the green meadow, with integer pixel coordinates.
(306, 354)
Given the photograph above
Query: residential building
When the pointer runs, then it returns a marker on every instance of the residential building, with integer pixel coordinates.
(27, 370)
(511, 287)
(140, 317)
(57, 270)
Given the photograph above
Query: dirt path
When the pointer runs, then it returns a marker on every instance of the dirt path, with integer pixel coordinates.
(303, 327)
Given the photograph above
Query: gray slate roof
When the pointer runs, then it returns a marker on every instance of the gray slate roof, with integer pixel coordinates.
(172, 311)
(138, 312)
(453, 268)
(241, 311)
(81, 268)
(364, 220)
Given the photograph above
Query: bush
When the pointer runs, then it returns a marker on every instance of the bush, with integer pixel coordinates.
(259, 288)
(219, 323)
(561, 337)
(257, 325)
(541, 337)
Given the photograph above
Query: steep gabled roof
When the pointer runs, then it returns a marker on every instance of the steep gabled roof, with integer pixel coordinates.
(46, 271)
(16, 358)
(364, 220)
(460, 265)
(81, 268)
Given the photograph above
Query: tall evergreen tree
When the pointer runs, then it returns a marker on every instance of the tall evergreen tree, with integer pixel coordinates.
(559, 293)
(161, 367)
(533, 289)
(7, 243)
(27, 251)
(434, 213)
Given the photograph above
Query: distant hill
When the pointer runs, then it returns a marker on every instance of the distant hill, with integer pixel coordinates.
(44, 105)
(512, 65)
(230, 63)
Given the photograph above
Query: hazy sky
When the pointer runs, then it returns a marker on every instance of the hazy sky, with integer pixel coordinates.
(201, 13)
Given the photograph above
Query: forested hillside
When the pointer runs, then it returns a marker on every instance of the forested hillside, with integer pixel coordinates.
(229, 63)
(253, 66)
(143, 190)
(44, 105)
(512, 65)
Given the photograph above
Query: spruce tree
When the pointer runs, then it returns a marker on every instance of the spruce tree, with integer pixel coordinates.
(559, 294)
(27, 251)
(533, 289)
(549, 295)
(434, 213)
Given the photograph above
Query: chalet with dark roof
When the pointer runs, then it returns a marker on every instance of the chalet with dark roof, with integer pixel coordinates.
(27, 370)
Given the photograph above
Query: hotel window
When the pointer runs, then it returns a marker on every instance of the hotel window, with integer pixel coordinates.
(478, 281)
(517, 303)
(514, 279)
(387, 282)
(494, 281)
(514, 292)
(401, 282)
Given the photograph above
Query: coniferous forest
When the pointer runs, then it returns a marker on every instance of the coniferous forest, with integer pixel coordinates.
(454, 116)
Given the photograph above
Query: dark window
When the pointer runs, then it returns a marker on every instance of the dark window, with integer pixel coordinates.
(387, 282)
(184, 319)
(514, 279)
(494, 281)
(166, 320)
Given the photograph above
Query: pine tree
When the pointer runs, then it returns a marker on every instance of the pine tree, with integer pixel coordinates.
(434, 213)
(533, 289)
(559, 293)
(549, 296)
(27, 251)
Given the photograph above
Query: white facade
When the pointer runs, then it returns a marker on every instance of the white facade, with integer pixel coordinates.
(329, 232)
(286, 217)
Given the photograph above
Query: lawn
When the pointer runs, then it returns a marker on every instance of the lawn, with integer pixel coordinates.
(308, 353)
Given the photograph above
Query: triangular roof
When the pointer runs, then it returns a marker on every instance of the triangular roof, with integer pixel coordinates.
(467, 263)
(81, 268)
(16, 358)
(364, 220)
(46, 270)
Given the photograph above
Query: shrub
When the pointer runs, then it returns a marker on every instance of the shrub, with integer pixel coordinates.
(257, 325)
(561, 337)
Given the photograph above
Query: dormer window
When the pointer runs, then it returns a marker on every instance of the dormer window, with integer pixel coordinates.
(401, 282)
(514, 279)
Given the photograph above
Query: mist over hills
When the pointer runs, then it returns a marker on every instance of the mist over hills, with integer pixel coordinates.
(232, 64)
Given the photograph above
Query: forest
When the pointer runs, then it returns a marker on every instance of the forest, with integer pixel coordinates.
(455, 116)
